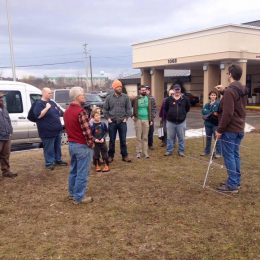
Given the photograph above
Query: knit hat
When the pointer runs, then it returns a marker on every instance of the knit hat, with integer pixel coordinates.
(116, 83)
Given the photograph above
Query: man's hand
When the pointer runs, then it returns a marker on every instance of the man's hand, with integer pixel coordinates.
(124, 121)
(48, 106)
(151, 123)
(109, 120)
(97, 141)
(220, 88)
(101, 140)
(218, 135)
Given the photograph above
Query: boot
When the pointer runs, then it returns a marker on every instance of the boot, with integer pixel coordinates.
(106, 168)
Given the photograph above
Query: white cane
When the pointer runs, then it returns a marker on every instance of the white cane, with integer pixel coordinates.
(210, 162)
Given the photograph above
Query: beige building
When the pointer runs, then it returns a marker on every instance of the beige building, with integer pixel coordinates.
(207, 54)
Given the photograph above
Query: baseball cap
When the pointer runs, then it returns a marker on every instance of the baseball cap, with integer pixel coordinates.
(177, 87)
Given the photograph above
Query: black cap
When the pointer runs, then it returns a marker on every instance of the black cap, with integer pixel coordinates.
(177, 86)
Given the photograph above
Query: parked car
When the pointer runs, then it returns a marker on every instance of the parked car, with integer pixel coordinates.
(193, 99)
(61, 97)
(18, 100)
(93, 100)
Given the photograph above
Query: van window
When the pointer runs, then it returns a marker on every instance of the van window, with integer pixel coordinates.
(13, 102)
(35, 97)
(62, 96)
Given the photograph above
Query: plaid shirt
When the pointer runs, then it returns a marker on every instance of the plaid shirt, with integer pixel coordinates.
(86, 130)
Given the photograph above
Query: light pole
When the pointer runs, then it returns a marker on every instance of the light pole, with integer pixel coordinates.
(85, 45)
(10, 42)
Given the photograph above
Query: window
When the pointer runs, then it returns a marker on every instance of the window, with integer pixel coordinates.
(35, 97)
(62, 96)
(13, 102)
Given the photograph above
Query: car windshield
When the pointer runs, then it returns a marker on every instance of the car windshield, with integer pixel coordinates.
(93, 98)
(62, 96)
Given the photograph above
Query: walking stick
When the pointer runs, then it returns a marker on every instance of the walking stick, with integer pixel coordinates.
(210, 162)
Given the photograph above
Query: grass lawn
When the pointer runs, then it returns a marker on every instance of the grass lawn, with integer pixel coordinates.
(148, 209)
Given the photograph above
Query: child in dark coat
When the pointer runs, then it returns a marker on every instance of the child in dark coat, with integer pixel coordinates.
(99, 132)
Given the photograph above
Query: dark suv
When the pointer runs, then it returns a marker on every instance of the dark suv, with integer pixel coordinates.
(93, 100)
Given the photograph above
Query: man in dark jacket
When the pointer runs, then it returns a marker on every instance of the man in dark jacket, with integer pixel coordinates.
(231, 127)
(6, 131)
(176, 108)
(49, 128)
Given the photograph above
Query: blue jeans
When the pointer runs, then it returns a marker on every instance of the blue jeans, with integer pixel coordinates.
(210, 131)
(81, 156)
(52, 149)
(112, 130)
(174, 130)
(230, 148)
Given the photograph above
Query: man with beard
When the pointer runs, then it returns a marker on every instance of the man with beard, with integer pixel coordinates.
(144, 111)
(231, 127)
(117, 109)
(6, 131)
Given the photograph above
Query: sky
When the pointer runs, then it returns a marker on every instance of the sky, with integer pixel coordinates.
(54, 31)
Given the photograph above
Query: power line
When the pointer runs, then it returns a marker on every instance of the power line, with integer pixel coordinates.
(44, 64)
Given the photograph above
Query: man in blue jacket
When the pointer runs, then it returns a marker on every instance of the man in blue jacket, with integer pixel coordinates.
(176, 108)
(49, 128)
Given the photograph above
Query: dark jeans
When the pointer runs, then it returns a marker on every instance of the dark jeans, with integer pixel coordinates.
(100, 148)
(52, 150)
(112, 130)
(210, 132)
(150, 135)
(5, 148)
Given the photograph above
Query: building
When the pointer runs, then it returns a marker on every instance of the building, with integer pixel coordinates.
(206, 54)
(132, 82)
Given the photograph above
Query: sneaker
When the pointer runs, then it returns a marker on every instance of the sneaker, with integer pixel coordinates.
(167, 154)
(61, 163)
(138, 156)
(217, 156)
(106, 168)
(126, 159)
(50, 167)
(9, 174)
(70, 197)
(110, 159)
(226, 189)
(204, 154)
(98, 169)
(84, 201)
(147, 157)
(224, 184)
(151, 148)
(181, 154)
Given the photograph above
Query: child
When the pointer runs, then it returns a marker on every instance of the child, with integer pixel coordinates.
(94, 110)
(99, 132)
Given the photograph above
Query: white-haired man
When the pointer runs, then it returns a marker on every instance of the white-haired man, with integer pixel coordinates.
(49, 128)
(81, 145)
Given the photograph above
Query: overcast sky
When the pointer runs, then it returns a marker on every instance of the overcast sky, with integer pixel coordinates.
(53, 31)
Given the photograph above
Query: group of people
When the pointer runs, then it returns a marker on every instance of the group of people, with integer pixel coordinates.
(224, 119)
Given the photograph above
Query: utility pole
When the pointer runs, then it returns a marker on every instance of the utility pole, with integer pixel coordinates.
(10, 41)
(90, 64)
(85, 46)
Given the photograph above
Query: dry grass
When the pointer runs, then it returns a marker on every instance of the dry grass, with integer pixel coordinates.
(149, 209)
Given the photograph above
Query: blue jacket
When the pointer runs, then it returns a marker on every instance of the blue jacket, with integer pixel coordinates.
(208, 109)
(50, 125)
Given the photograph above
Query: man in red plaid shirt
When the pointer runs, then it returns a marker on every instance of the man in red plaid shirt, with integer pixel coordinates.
(81, 145)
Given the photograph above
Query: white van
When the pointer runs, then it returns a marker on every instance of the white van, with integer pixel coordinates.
(18, 101)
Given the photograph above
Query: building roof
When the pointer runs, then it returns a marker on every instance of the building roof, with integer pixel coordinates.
(253, 23)
(167, 73)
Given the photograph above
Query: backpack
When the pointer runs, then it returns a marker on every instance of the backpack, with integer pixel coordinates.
(31, 116)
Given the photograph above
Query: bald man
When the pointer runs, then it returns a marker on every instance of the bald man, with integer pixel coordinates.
(49, 128)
